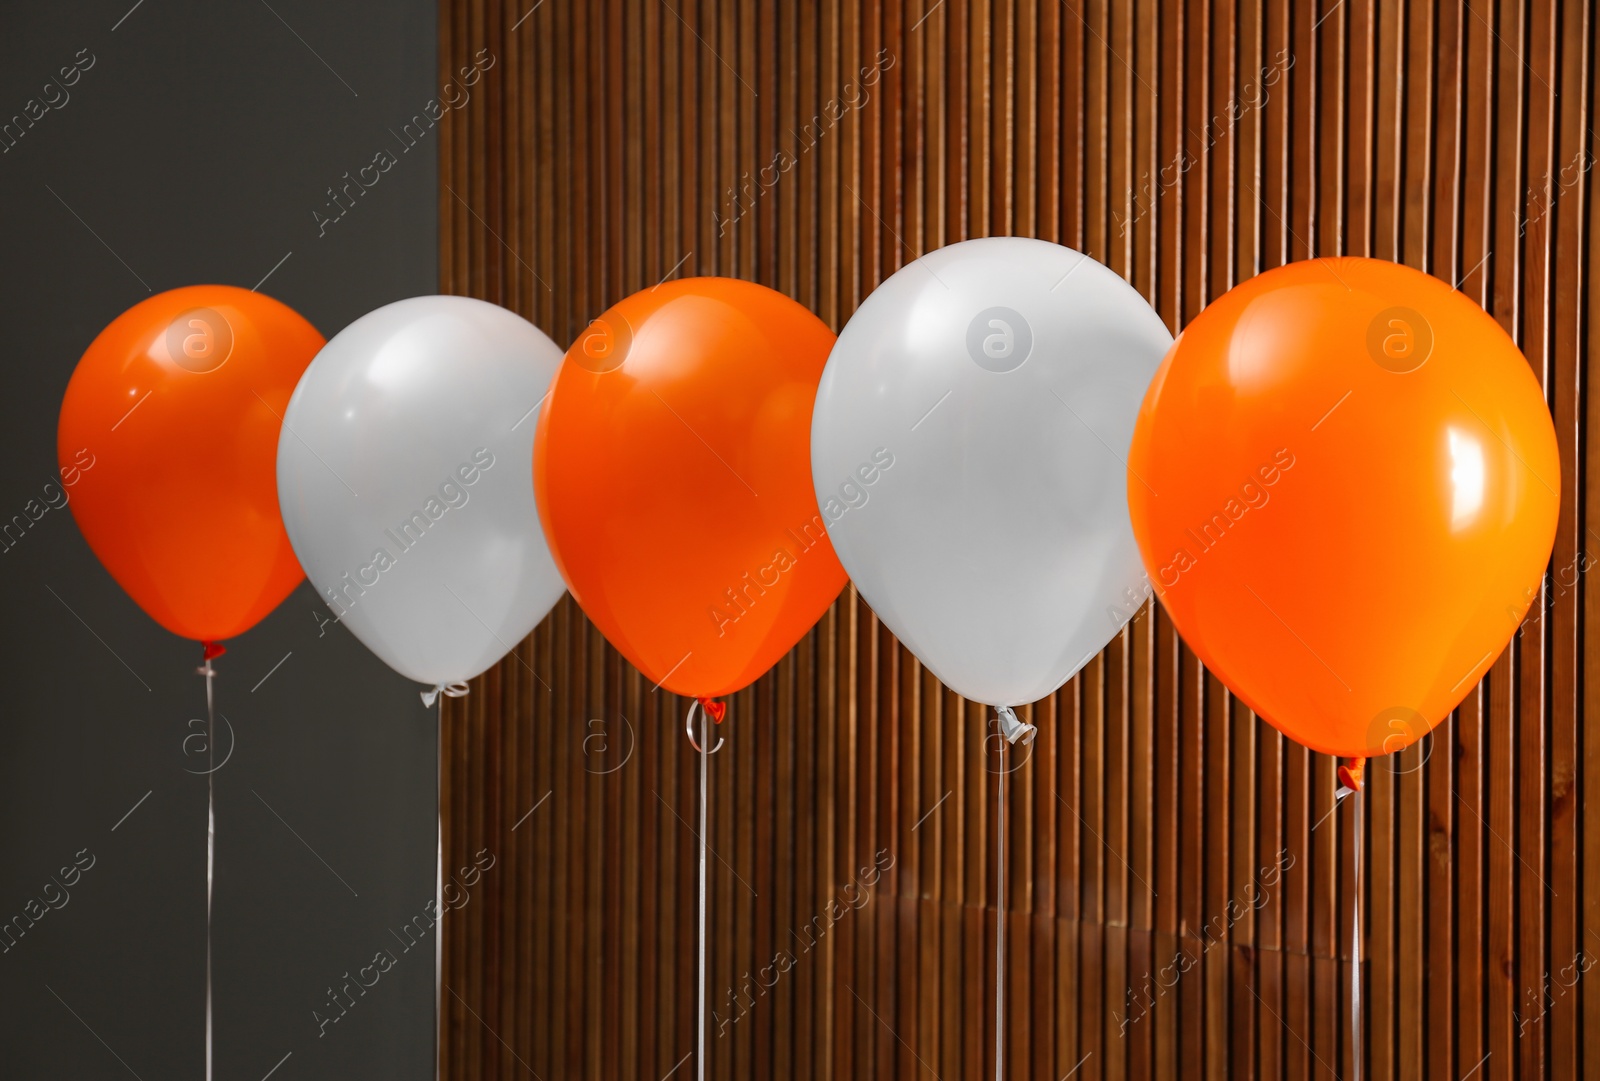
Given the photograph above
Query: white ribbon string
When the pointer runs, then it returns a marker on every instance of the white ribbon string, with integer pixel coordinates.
(211, 839)
(1000, 919)
(703, 916)
(704, 747)
(1012, 731)
(1355, 943)
(438, 882)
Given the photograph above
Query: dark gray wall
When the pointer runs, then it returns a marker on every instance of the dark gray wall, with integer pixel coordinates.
(195, 149)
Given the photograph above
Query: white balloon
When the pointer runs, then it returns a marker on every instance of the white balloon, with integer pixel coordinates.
(405, 477)
(969, 450)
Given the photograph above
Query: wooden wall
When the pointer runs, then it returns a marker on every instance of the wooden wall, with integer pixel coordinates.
(1188, 146)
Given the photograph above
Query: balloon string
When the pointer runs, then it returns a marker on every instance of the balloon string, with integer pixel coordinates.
(438, 892)
(704, 910)
(1000, 919)
(1355, 942)
(211, 832)
(1349, 773)
(1011, 730)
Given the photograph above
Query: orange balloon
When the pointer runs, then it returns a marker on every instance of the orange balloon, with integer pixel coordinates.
(673, 470)
(1344, 482)
(176, 407)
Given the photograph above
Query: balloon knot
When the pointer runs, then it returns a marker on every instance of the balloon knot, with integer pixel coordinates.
(715, 709)
(1013, 729)
(449, 690)
(213, 649)
(1350, 771)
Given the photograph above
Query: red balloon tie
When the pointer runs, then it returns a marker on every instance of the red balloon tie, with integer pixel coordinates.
(715, 708)
(1350, 773)
(214, 649)
(1350, 777)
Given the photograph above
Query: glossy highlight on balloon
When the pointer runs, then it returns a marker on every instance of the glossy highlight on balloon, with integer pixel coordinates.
(1344, 482)
(672, 465)
(178, 403)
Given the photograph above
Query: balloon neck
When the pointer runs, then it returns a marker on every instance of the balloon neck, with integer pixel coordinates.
(1013, 729)
(449, 690)
(715, 708)
(213, 649)
(1350, 771)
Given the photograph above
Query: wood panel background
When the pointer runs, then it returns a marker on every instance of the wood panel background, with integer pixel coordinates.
(1189, 145)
